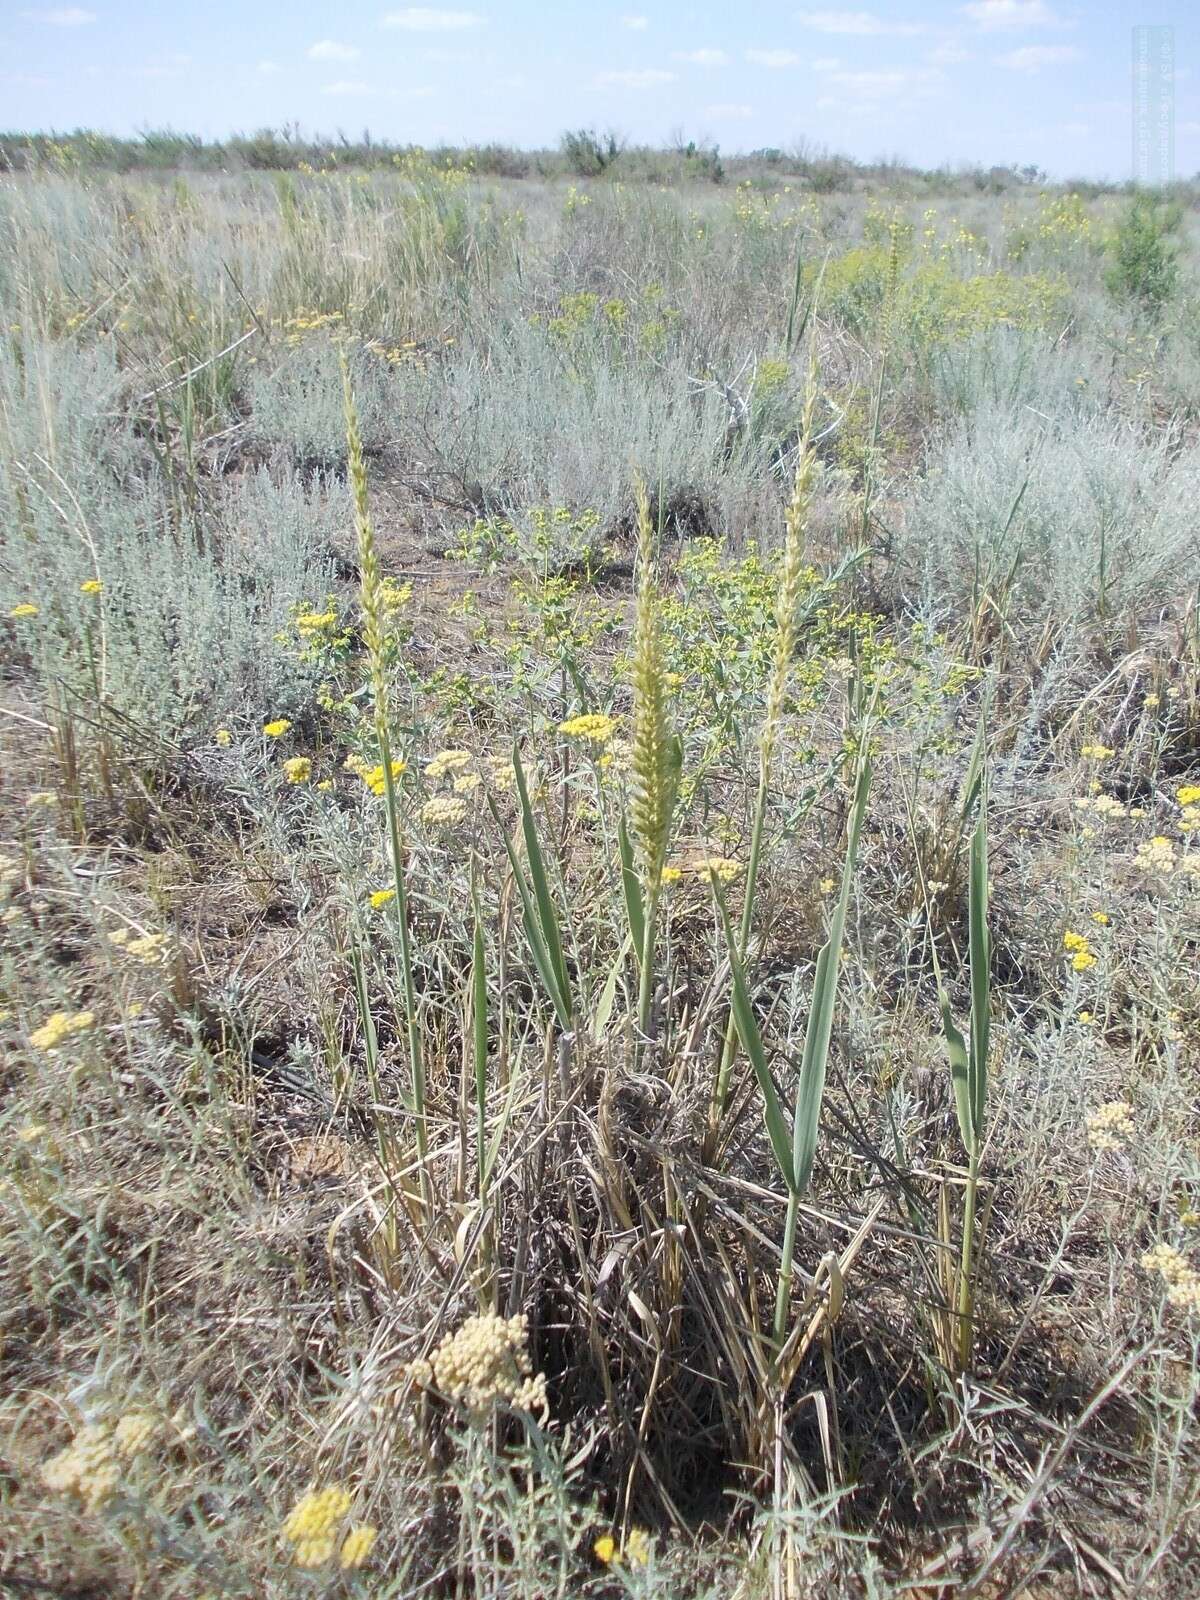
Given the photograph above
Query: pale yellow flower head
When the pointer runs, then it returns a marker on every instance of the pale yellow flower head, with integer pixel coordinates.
(60, 1026)
(447, 761)
(357, 1546)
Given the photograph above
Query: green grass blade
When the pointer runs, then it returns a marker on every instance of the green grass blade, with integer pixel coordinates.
(538, 948)
(747, 1027)
(608, 993)
(981, 961)
(547, 916)
(819, 1032)
(791, 337)
(960, 1066)
(631, 884)
(479, 1029)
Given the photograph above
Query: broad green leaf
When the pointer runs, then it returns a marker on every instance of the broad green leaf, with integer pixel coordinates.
(631, 884)
(541, 882)
(814, 1063)
(608, 994)
(747, 1027)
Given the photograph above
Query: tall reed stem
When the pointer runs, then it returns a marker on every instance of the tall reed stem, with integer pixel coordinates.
(374, 636)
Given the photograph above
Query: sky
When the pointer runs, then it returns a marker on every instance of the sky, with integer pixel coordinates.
(930, 81)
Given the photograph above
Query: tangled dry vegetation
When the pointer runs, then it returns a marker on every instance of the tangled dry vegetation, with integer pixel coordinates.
(600, 890)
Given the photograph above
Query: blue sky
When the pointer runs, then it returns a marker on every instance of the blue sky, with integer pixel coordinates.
(930, 81)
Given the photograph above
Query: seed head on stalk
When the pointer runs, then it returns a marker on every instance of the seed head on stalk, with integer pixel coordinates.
(655, 758)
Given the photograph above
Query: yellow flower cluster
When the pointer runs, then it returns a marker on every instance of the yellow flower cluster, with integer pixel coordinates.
(357, 1545)
(717, 867)
(313, 1526)
(223, 737)
(91, 586)
(374, 777)
(309, 623)
(58, 1026)
(634, 1552)
(1156, 855)
(593, 726)
(1079, 949)
(1182, 1279)
(381, 898)
(90, 1466)
(26, 609)
(1104, 805)
(298, 769)
(443, 812)
(1110, 1125)
(277, 728)
(1096, 752)
(1188, 794)
(486, 1363)
(446, 762)
(148, 947)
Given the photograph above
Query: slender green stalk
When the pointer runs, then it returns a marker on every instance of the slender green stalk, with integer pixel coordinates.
(891, 284)
(656, 760)
(479, 1033)
(969, 1063)
(787, 608)
(794, 1141)
(375, 638)
(966, 1265)
(787, 1269)
(539, 917)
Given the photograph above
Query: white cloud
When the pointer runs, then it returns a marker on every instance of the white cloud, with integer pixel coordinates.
(995, 14)
(773, 58)
(635, 24)
(62, 17)
(331, 50)
(862, 23)
(268, 69)
(350, 87)
(949, 54)
(1033, 57)
(703, 58)
(918, 82)
(635, 78)
(1077, 130)
(425, 19)
(825, 63)
(729, 113)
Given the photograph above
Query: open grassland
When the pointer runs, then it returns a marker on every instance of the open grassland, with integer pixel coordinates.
(600, 887)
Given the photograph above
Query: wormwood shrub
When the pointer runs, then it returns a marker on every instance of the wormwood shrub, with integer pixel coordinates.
(1080, 519)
